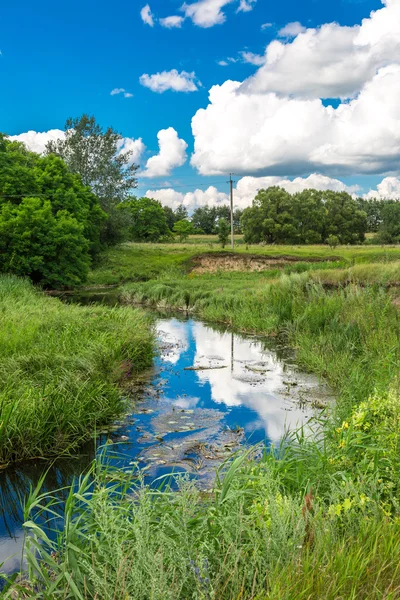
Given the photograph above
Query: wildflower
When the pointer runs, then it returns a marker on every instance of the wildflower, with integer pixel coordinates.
(347, 504)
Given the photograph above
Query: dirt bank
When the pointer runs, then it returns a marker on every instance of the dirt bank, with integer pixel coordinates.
(211, 262)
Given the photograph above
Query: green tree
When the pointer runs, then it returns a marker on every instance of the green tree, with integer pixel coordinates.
(148, 220)
(99, 157)
(270, 219)
(204, 219)
(180, 213)
(25, 175)
(389, 230)
(49, 248)
(183, 228)
(170, 216)
(223, 231)
(343, 218)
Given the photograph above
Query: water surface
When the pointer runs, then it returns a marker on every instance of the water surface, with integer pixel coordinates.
(211, 392)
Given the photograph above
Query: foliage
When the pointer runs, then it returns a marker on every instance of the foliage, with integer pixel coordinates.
(59, 369)
(389, 229)
(223, 232)
(317, 517)
(50, 249)
(148, 220)
(55, 251)
(205, 219)
(183, 229)
(332, 241)
(309, 217)
(95, 154)
(104, 164)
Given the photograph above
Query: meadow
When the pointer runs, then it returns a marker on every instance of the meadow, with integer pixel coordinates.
(60, 369)
(317, 517)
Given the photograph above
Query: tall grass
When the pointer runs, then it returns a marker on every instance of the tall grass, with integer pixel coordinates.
(317, 518)
(59, 369)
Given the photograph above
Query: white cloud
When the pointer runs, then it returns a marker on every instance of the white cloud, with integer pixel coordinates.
(206, 13)
(117, 91)
(275, 135)
(222, 63)
(172, 153)
(246, 5)
(147, 15)
(266, 26)
(137, 148)
(170, 80)
(245, 191)
(253, 59)
(331, 61)
(388, 189)
(171, 22)
(292, 30)
(36, 140)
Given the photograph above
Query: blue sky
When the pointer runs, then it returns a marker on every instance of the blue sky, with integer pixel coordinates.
(64, 59)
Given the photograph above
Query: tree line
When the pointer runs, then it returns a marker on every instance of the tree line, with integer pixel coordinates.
(60, 209)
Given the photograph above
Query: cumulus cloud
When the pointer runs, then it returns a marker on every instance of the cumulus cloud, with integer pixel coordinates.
(137, 148)
(36, 141)
(245, 191)
(292, 30)
(291, 136)
(170, 80)
(253, 59)
(389, 189)
(171, 22)
(191, 200)
(117, 91)
(172, 153)
(330, 61)
(207, 13)
(147, 15)
(246, 5)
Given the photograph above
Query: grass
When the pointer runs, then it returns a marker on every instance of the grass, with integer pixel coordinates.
(60, 367)
(143, 262)
(318, 517)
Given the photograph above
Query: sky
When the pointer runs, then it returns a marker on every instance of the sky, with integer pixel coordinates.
(297, 94)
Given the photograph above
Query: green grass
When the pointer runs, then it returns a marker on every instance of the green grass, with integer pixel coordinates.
(143, 262)
(60, 367)
(317, 518)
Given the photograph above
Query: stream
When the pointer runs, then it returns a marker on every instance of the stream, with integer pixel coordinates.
(210, 393)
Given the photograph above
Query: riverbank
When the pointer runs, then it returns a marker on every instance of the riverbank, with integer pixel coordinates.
(318, 518)
(60, 367)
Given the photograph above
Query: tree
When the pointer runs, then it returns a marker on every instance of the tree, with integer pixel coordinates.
(309, 217)
(170, 216)
(271, 218)
(183, 228)
(98, 156)
(343, 218)
(389, 230)
(223, 231)
(180, 213)
(49, 248)
(65, 217)
(204, 219)
(148, 220)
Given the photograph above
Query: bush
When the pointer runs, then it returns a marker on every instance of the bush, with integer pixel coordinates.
(50, 222)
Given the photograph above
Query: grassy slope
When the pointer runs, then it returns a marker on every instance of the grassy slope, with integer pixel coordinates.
(142, 262)
(318, 520)
(59, 366)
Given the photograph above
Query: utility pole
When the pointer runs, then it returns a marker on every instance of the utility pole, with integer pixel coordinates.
(231, 182)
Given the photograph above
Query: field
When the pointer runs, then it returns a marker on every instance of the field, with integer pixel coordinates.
(59, 369)
(316, 518)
